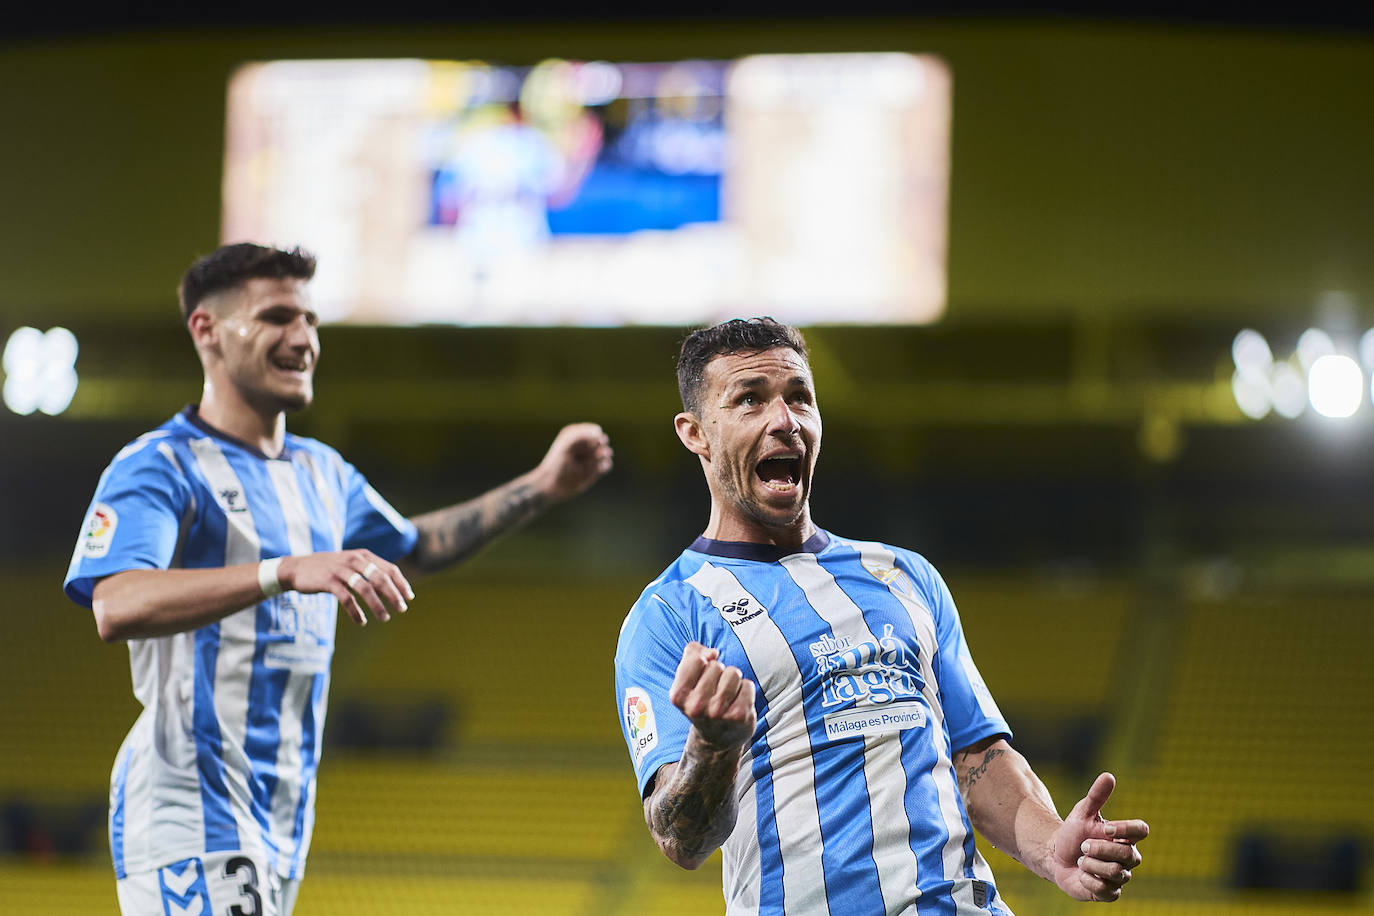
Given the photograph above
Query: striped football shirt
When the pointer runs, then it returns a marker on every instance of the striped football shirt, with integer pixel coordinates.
(224, 754)
(848, 800)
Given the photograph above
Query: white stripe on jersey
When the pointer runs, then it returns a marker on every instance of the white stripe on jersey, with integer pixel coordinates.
(326, 494)
(883, 771)
(946, 783)
(794, 784)
(384, 508)
(238, 634)
(741, 851)
(296, 697)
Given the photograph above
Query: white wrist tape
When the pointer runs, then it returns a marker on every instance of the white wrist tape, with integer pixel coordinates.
(267, 577)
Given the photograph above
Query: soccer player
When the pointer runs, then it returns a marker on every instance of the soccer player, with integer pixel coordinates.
(221, 547)
(809, 701)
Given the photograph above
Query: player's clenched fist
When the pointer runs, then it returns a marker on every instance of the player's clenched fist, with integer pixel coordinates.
(718, 699)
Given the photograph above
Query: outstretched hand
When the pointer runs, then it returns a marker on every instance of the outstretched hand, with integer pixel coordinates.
(579, 456)
(1092, 857)
(358, 578)
(718, 699)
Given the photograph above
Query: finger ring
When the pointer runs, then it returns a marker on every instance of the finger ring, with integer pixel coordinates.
(368, 570)
(353, 579)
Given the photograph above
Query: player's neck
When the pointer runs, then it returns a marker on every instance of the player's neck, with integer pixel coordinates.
(224, 408)
(730, 526)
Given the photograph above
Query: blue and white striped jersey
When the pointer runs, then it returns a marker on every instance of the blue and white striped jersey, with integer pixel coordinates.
(225, 753)
(848, 801)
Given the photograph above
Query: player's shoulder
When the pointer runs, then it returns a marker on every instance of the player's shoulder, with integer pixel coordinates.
(314, 448)
(917, 567)
(669, 594)
(905, 556)
(153, 447)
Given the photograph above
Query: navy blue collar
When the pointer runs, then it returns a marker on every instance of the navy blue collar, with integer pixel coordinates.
(191, 414)
(763, 553)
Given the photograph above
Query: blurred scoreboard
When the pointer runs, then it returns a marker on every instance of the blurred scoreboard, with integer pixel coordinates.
(809, 187)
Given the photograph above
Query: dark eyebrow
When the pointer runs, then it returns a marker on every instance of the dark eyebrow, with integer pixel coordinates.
(279, 307)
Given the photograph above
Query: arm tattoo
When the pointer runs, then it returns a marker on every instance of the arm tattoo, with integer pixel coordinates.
(978, 771)
(450, 535)
(694, 810)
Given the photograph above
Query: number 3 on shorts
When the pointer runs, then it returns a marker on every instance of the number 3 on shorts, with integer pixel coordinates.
(242, 869)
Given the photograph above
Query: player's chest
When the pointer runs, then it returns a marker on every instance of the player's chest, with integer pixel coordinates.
(851, 638)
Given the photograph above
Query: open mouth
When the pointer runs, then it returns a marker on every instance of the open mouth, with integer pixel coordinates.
(291, 365)
(780, 473)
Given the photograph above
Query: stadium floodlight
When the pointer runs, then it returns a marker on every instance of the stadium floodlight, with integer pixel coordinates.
(1366, 348)
(1251, 394)
(1251, 354)
(1335, 386)
(1312, 346)
(1288, 391)
(40, 370)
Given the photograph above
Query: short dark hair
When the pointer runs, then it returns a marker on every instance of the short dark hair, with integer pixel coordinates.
(230, 265)
(738, 335)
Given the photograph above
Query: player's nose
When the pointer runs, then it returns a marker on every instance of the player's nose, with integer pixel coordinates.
(781, 420)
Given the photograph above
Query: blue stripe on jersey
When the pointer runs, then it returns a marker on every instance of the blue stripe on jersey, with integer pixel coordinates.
(117, 815)
(845, 819)
(221, 833)
(770, 849)
(310, 762)
(921, 800)
(262, 737)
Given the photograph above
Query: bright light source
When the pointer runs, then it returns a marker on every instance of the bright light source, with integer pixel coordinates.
(40, 370)
(1288, 391)
(1367, 349)
(1312, 346)
(1252, 394)
(1335, 385)
(1251, 354)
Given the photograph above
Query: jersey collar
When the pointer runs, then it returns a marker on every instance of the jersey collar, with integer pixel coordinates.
(762, 553)
(191, 414)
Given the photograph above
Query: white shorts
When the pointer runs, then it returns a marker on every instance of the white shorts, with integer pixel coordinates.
(216, 884)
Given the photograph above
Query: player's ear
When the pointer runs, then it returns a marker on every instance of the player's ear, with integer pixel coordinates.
(201, 324)
(688, 428)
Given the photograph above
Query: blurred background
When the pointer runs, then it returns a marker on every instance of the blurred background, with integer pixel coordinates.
(1116, 387)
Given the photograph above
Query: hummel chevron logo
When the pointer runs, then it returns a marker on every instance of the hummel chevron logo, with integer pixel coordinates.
(195, 908)
(179, 876)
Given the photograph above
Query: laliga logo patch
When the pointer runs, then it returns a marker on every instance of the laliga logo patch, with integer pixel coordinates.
(100, 529)
(639, 722)
(740, 610)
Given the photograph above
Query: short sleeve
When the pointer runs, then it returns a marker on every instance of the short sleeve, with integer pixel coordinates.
(133, 521)
(646, 659)
(970, 711)
(370, 521)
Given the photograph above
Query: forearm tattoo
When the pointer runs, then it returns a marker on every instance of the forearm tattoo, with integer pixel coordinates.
(694, 811)
(450, 535)
(978, 771)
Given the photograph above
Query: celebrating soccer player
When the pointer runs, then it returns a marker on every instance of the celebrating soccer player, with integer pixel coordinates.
(809, 702)
(221, 547)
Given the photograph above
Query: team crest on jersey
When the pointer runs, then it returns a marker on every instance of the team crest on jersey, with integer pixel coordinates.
(639, 723)
(892, 577)
(741, 609)
(100, 529)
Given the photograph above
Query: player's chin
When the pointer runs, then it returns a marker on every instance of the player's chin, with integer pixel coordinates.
(297, 399)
